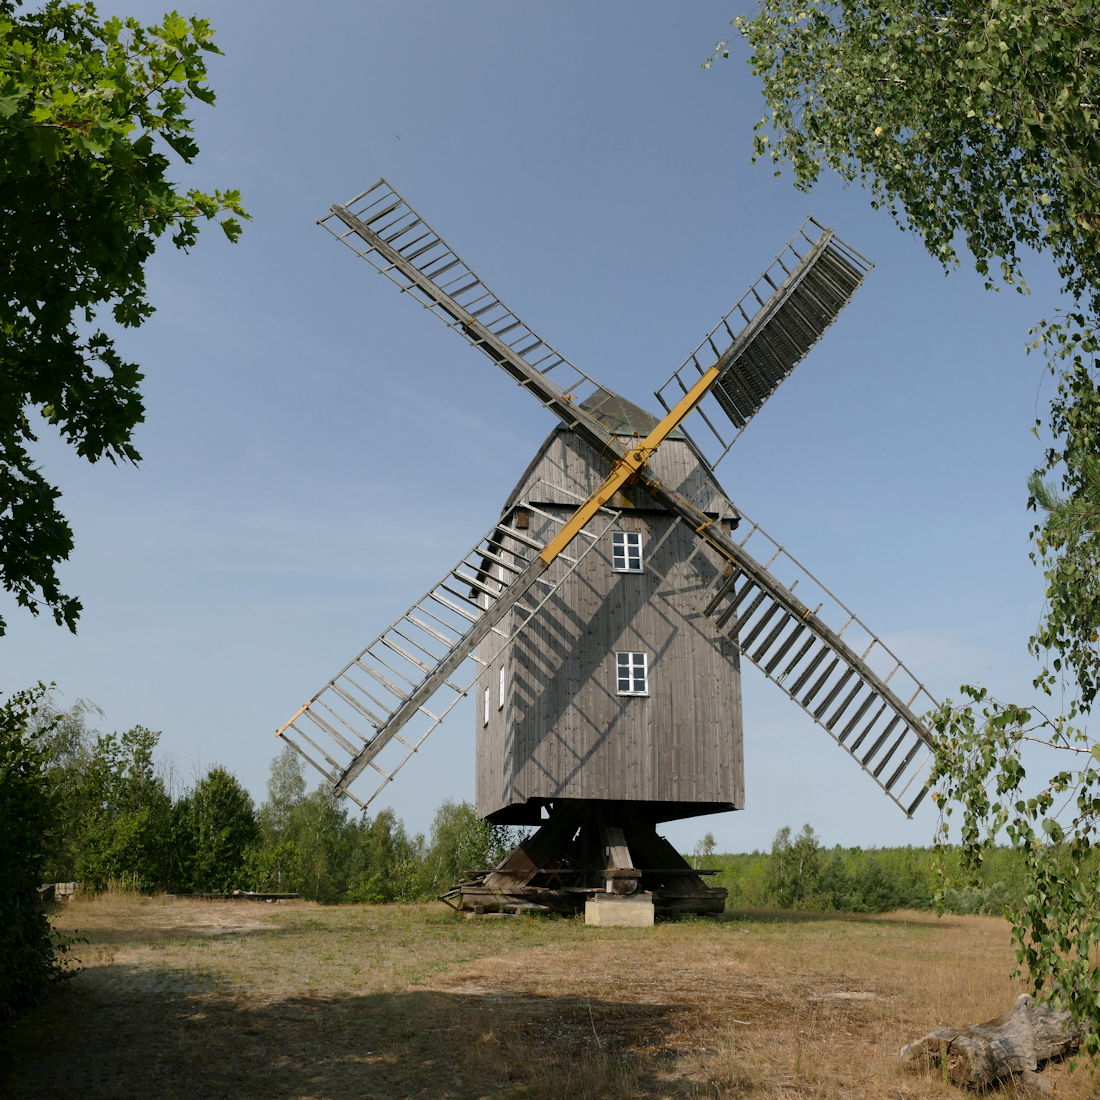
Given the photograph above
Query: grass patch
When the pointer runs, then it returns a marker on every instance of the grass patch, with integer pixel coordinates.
(196, 999)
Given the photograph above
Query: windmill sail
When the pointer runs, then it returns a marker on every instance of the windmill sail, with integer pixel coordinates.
(760, 341)
(360, 713)
(845, 677)
(756, 344)
(383, 229)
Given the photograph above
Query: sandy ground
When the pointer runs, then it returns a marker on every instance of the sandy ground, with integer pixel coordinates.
(191, 999)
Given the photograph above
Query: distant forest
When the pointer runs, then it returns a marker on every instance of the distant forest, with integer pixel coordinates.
(119, 823)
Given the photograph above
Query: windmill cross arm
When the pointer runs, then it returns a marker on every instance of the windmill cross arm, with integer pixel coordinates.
(630, 465)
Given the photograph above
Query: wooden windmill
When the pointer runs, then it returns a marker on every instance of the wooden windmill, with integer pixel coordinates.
(601, 621)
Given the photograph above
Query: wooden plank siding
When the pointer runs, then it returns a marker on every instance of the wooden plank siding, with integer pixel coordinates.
(566, 467)
(564, 732)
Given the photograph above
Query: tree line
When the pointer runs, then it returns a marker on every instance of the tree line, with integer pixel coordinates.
(799, 872)
(115, 821)
(97, 808)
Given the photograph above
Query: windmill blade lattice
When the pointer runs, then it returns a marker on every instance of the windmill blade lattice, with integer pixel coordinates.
(760, 341)
(757, 344)
(383, 229)
(844, 676)
(356, 720)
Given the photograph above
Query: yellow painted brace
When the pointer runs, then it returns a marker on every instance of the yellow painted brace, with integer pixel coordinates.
(295, 716)
(628, 466)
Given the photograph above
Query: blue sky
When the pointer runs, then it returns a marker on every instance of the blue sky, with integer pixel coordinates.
(317, 450)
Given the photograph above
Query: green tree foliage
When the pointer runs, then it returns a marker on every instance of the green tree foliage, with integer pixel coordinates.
(31, 956)
(272, 865)
(66, 740)
(309, 845)
(460, 841)
(835, 885)
(323, 843)
(123, 816)
(978, 126)
(1067, 540)
(966, 121)
(795, 867)
(215, 830)
(388, 863)
(91, 111)
(286, 787)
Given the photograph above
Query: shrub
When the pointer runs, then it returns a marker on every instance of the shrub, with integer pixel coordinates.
(32, 956)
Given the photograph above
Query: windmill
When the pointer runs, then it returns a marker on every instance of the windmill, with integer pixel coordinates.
(601, 621)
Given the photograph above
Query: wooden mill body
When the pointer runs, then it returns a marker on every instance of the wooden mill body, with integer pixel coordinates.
(551, 725)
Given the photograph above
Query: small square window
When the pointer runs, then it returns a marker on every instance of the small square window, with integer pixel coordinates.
(626, 551)
(632, 674)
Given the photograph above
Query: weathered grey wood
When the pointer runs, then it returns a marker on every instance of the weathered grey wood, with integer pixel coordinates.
(522, 864)
(567, 469)
(621, 875)
(588, 847)
(564, 732)
(1013, 1045)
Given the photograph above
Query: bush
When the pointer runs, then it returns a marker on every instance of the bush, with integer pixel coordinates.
(991, 900)
(32, 956)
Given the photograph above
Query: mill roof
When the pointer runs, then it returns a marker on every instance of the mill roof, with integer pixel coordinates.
(576, 469)
(622, 417)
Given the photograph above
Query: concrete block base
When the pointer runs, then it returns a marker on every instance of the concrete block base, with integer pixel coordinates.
(619, 911)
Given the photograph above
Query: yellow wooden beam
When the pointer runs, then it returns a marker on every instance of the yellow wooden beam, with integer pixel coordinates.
(628, 466)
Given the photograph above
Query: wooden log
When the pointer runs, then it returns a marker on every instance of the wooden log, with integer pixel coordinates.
(1016, 1045)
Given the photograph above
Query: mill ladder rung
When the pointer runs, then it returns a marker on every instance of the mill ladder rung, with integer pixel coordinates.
(381, 227)
(767, 333)
(354, 717)
(851, 694)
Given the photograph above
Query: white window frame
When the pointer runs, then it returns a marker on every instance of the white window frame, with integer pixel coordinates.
(631, 669)
(500, 690)
(626, 552)
(485, 708)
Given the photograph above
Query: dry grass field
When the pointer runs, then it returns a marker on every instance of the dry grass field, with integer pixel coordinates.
(196, 999)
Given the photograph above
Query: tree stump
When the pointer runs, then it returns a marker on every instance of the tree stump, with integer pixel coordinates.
(1013, 1045)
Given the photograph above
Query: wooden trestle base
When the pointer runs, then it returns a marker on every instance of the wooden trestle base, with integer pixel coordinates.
(585, 848)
